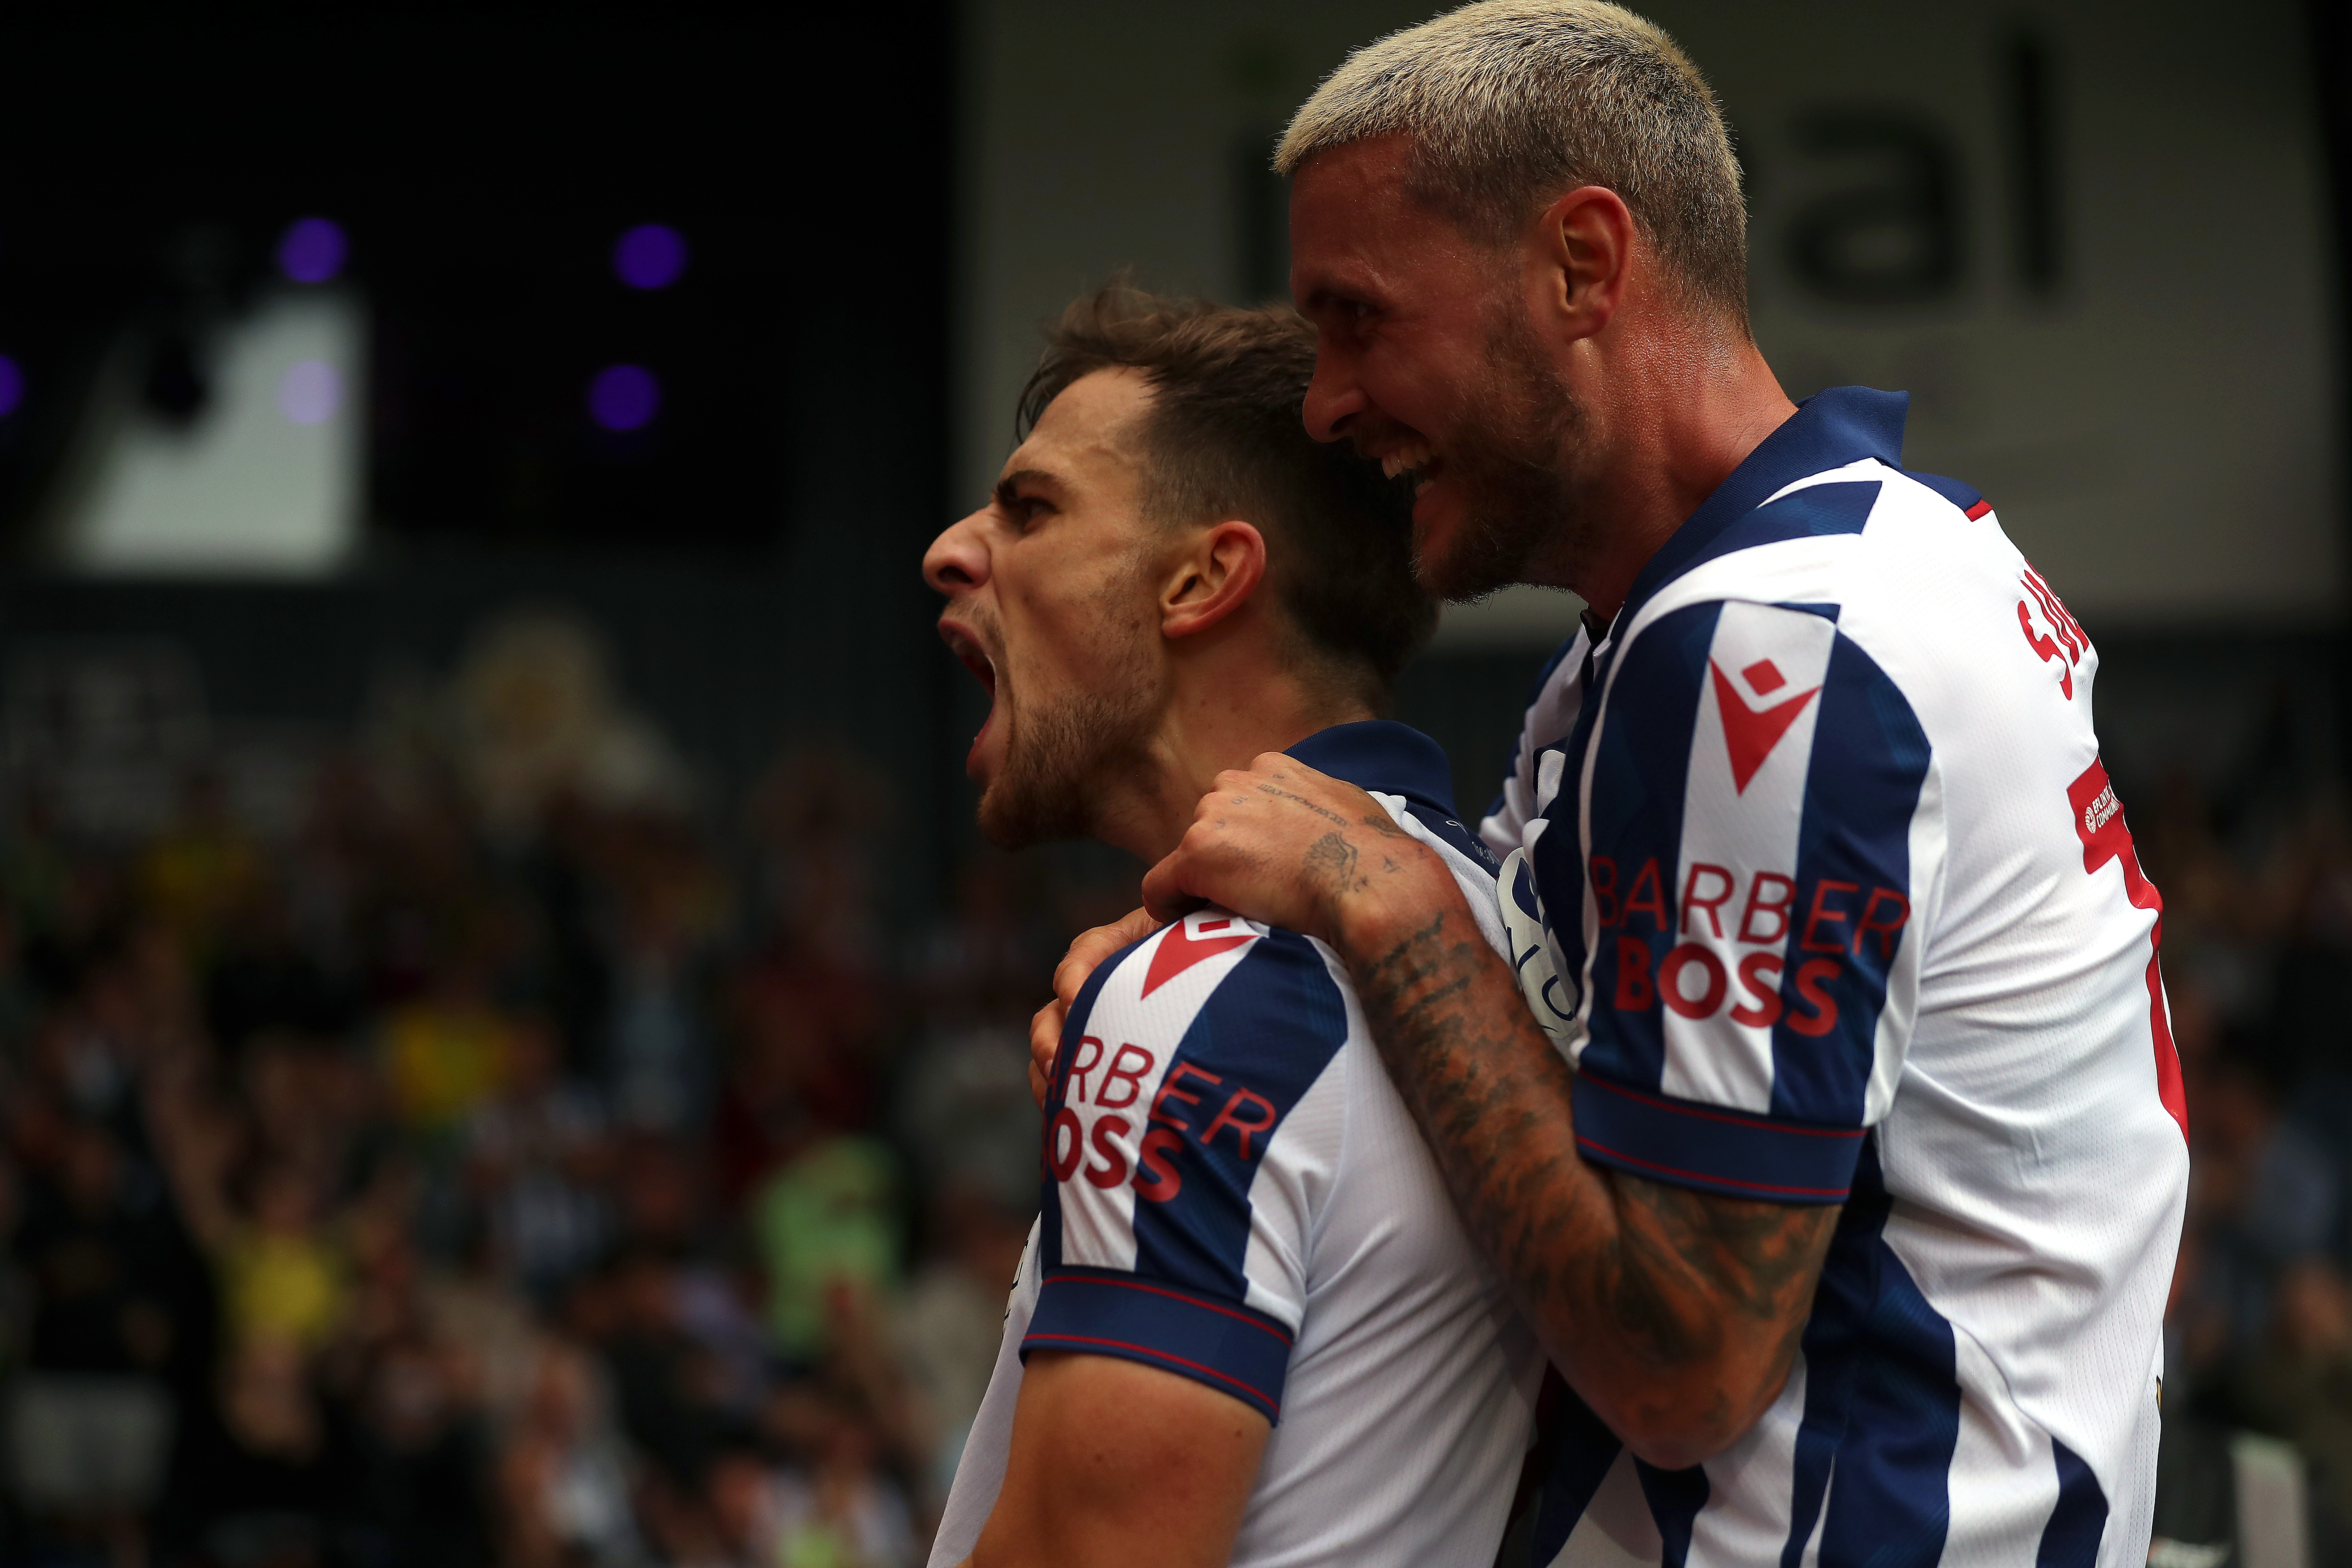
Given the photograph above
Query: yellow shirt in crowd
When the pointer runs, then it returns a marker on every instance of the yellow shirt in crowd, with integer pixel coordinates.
(283, 1287)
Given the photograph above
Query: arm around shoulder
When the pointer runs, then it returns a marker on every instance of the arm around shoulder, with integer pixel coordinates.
(1675, 1313)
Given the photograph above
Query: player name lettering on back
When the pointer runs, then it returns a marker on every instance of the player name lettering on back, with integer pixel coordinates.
(2065, 643)
(1109, 1079)
(1691, 978)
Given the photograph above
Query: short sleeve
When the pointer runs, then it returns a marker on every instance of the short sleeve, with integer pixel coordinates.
(1762, 819)
(1191, 1134)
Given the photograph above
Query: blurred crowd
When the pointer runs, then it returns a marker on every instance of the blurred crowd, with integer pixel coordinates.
(520, 1160)
(2257, 948)
(521, 1157)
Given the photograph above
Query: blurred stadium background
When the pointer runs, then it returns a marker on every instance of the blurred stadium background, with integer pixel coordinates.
(510, 1051)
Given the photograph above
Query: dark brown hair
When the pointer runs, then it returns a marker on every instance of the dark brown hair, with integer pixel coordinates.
(1224, 441)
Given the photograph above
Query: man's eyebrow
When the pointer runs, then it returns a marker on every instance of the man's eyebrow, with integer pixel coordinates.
(1008, 488)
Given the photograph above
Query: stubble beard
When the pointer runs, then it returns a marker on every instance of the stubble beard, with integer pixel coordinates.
(1063, 759)
(1512, 464)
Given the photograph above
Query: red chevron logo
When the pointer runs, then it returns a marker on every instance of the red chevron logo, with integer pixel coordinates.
(1187, 941)
(1750, 733)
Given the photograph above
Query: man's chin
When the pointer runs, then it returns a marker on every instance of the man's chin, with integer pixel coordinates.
(1013, 818)
(1056, 771)
(999, 823)
(1461, 574)
(1463, 553)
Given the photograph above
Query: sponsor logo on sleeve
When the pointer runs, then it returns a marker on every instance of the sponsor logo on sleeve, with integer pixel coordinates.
(1719, 909)
(1750, 732)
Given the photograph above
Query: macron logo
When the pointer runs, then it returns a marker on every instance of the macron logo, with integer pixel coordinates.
(1749, 733)
(1190, 940)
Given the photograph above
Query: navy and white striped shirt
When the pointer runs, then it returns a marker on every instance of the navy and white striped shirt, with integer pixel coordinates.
(1235, 1193)
(1813, 870)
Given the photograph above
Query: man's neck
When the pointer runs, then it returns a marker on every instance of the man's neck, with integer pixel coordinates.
(1681, 419)
(1218, 717)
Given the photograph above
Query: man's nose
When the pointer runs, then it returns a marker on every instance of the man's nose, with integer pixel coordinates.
(957, 561)
(1333, 397)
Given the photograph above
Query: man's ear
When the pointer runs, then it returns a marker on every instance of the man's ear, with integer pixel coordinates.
(1215, 573)
(1584, 246)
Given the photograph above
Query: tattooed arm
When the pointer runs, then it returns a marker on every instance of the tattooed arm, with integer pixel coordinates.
(1674, 1314)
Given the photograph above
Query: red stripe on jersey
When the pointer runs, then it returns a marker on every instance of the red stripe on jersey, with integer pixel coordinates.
(1587, 1081)
(1047, 1341)
(1978, 509)
(2099, 824)
(1173, 1296)
(1714, 1179)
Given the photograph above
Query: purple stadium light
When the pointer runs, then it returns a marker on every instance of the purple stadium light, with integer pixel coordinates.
(310, 392)
(312, 250)
(650, 256)
(623, 398)
(12, 387)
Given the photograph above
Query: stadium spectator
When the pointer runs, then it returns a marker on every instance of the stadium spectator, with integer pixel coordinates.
(399, 1344)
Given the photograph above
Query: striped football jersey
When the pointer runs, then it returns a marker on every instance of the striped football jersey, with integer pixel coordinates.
(1812, 869)
(1234, 1192)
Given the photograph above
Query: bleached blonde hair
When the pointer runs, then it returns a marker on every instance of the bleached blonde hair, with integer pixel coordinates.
(1511, 103)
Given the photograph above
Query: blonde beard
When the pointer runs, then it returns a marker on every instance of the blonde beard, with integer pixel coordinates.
(1511, 473)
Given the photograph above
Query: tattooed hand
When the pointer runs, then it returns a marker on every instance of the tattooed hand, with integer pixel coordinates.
(1674, 1314)
(1281, 843)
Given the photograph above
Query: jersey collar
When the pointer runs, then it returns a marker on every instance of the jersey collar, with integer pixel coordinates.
(1384, 755)
(1833, 427)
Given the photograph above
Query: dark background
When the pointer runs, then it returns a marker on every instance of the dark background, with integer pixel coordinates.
(750, 554)
(747, 564)
(753, 552)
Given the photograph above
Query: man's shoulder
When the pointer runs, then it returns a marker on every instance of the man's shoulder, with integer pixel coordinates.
(1850, 498)
(1192, 1124)
(1204, 983)
(1895, 572)
(1466, 853)
(1825, 541)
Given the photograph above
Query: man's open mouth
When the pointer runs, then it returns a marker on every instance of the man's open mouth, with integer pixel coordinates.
(977, 659)
(1413, 461)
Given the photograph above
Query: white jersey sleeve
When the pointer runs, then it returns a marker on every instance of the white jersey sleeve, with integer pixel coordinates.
(1191, 1134)
(1843, 910)
(1762, 815)
(1233, 1193)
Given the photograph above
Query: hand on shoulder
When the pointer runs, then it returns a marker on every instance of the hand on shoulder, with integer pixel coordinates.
(1281, 843)
(1277, 842)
